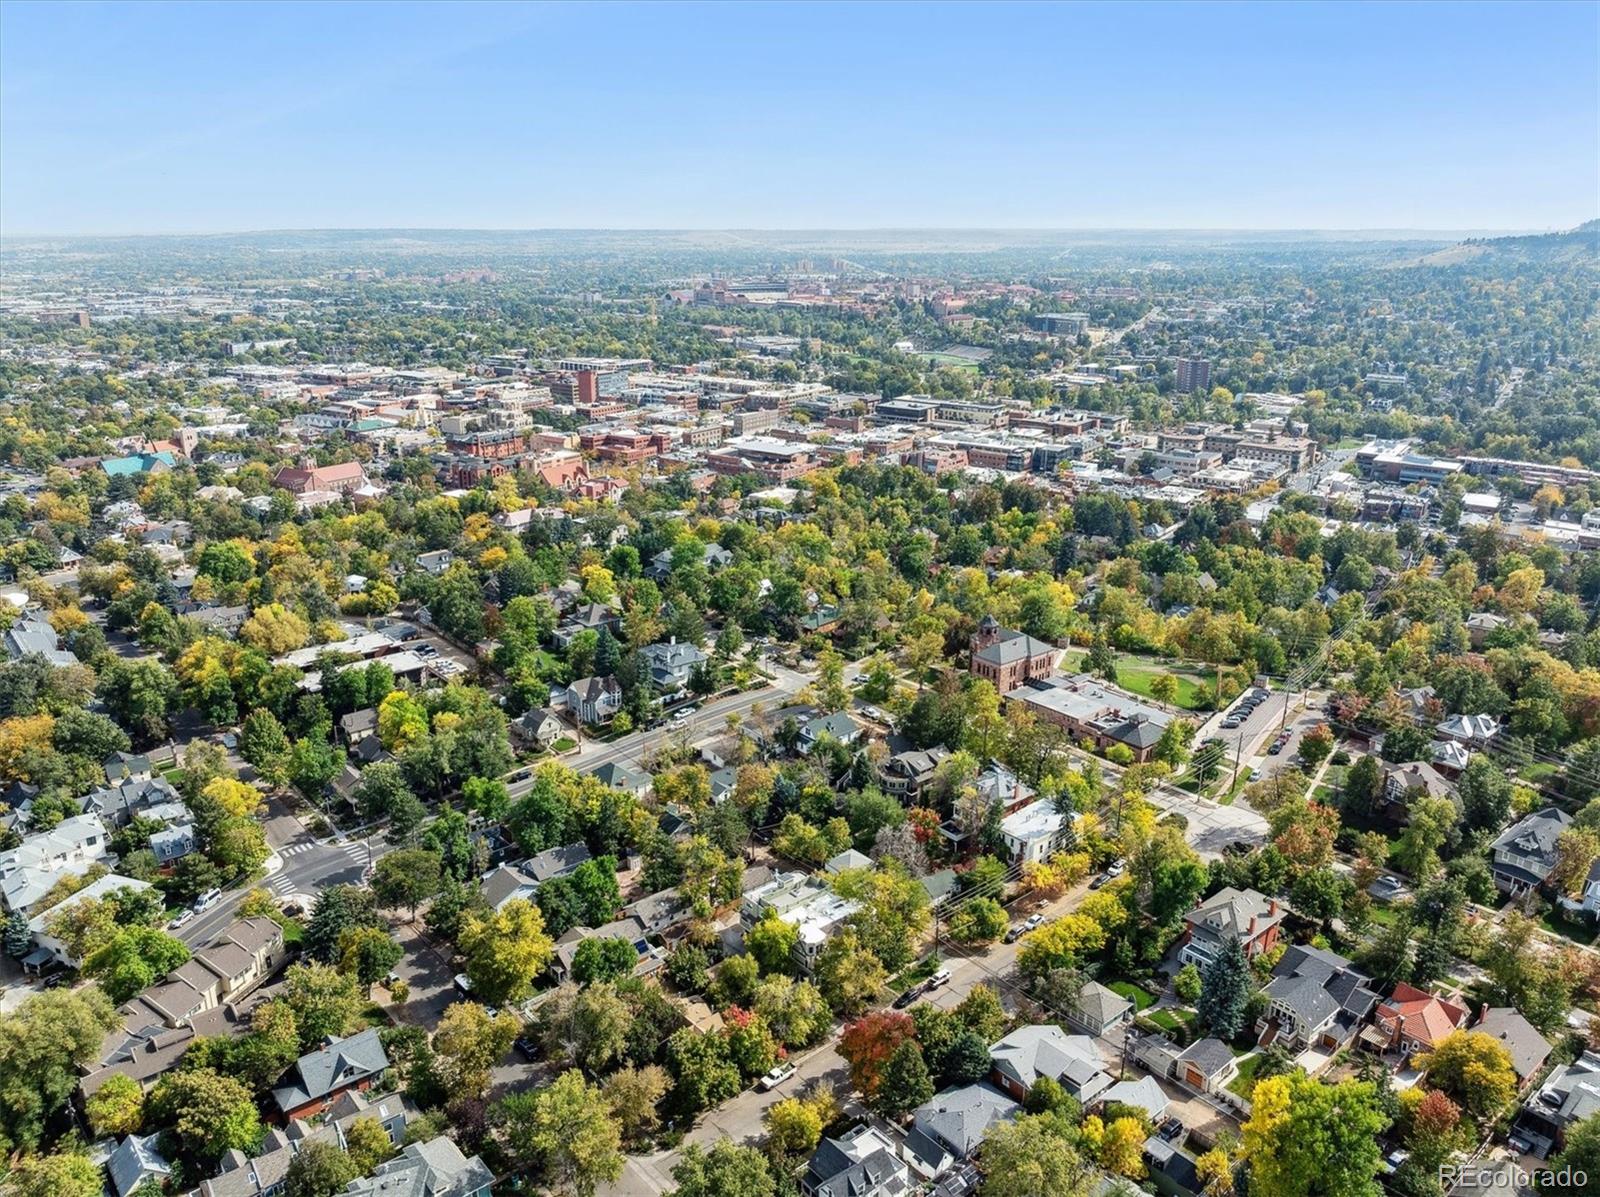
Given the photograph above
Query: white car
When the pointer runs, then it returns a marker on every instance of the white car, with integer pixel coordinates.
(942, 977)
(776, 1077)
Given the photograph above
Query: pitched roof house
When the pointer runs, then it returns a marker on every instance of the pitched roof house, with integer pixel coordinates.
(1243, 914)
(1317, 999)
(318, 1077)
(1524, 855)
(1413, 1020)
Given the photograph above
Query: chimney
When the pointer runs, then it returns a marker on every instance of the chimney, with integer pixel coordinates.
(1252, 926)
(1272, 907)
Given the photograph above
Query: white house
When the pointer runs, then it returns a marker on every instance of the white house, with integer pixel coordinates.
(1037, 831)
(28, 871)
(39, 926)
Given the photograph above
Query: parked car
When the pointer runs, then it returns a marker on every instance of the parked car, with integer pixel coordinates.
(1114, 869)
(942, 977)
(909, 996)
(208, 899)
(1033, 921)
(776, 1077)
(1015, 932)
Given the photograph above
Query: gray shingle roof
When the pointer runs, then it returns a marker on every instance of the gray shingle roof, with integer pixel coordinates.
(344, 1062)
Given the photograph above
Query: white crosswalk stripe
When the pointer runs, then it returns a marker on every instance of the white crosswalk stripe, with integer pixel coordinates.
(296, 849)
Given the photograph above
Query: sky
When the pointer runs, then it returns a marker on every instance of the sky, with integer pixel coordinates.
(162, 118)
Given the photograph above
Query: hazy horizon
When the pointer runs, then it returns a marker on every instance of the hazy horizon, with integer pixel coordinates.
(202, 119)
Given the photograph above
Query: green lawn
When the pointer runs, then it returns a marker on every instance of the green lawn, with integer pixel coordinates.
(1140, 997)
(1135, 673)
(1170, 1018)
(1246, 1080)
(1557, 924)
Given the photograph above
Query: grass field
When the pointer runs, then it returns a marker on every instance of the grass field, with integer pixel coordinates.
(1136, 673)
(944, 360)
(1141, 998)
(1246, 1080)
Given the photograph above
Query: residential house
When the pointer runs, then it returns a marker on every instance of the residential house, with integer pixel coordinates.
(1145, 1094)
(950, 1127)
(265, 1174)
(1474, 731)
(47, 946)
(358, 726)
(1002, 788)
(1525, 854)
(1099, 1010)
(1400, 781)
(862, 1163)
(1251, 918)
(594, 700)
(904, 774)
(803, 901)
(538, 727)
(1522, 1040)
(1412, 1020)
(1569, 1095)
(848, 859)
(137, 1159)
(1450, 757)
(127, 766)
(1315, 999)
(1030, 1052)
(69, 849)
(589, 617)
(724, 782)
(1482, 624)
(32, 636)
(436, 1168)
(1037, 831)
(838, 725)
(1009, 658)
(118, 804)
(624, 776)
(243, 955)
(502, 884)
(660, 912)
(671, 664)
(435, 562)
(316, 1078)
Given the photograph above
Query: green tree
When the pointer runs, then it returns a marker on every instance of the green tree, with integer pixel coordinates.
(1187, 984)
(325, 1002)
(133, 959)
(848, 975)
(262, 742)
(1305, 1137)
(904, 1084)
(1474, 1069)
(468, 1043)
(1034, 1156)
(367, 1144)
(319, 1169)
(209, 1114)
(117, 1107)
(505, 951)
(336, 910)
(603, 958)
(567, 1128)
(368, 954)
(634, 1095)
(771, 942)
(726, 1170)
(702, 1073)
(64, 1174)
(1579, 1158)
(43, 1044)
(1225, 988)
(406, 877)
(980, 920)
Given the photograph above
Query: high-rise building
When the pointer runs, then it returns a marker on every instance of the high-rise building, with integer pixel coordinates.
(1194, 374)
